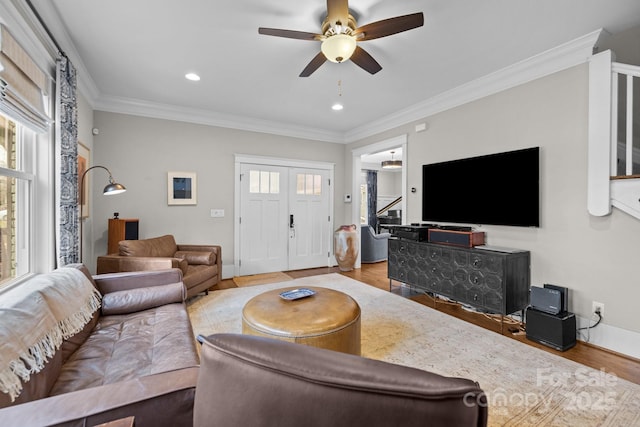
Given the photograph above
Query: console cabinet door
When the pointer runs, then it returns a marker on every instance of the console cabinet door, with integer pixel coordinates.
(486, 285)
(397, 260)
(493, 281)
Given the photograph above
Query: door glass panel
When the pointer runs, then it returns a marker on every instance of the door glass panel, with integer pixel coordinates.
(309, 184)
(254, 181)
(274, 186)
(264, 182)
(317, 185)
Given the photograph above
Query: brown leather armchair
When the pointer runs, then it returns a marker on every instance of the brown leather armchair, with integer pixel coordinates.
(201, 265)
(256, 381)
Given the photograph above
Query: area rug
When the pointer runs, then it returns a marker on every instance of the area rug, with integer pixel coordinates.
(525, 386)
(261, 279)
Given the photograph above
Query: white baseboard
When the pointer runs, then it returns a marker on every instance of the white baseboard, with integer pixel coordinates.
(227, 271)
(610, 337)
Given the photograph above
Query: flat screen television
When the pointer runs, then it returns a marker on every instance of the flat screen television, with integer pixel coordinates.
(495, 189)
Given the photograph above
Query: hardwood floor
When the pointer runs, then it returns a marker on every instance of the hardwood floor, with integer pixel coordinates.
(596, 357)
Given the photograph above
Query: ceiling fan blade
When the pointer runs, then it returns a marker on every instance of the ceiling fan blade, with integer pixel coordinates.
(338, 11)
(365, 61)
(290, 34)
(390, 26)
(315, 63)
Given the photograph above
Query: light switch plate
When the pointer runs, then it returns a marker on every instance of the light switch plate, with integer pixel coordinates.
(217, 213)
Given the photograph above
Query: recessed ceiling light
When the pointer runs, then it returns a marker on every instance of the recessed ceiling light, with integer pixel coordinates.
(192, 76)
(337, 107)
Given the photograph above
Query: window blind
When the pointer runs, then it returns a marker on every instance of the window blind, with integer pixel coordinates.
(23, 85)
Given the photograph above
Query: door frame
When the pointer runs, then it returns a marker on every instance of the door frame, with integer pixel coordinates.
(240, 159)
(356, 162)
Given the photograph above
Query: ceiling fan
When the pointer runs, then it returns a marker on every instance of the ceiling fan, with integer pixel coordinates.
(340, 36)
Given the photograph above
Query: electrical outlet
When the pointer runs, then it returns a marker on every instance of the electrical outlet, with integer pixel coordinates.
(597, 307)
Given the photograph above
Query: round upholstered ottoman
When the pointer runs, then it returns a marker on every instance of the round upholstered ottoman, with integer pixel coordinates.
(328, 319)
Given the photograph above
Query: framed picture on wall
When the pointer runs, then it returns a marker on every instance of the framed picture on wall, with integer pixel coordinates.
(83, 193)
(181, 188)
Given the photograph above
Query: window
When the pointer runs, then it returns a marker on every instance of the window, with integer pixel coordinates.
(309, 184)
(264, 182)
(16, 183)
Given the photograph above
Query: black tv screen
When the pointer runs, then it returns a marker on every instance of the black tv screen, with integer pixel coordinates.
(496, 189)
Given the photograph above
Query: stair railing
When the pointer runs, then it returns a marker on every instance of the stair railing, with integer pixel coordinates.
(628, 73)
(607, 142)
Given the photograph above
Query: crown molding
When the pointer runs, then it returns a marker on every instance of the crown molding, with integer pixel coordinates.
(143, 108)
(575, 52)
(572, 53)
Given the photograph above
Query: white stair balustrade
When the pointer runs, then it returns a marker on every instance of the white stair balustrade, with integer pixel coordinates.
(614, 162)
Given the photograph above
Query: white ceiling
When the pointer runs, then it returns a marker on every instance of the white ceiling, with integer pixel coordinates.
(378, 158)
(132, 55)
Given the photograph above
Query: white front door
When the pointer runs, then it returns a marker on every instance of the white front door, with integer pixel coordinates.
(285, 220)
(309, 233)
(263, 219)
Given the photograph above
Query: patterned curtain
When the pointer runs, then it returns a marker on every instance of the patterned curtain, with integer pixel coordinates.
(67, 241)
(372, 198)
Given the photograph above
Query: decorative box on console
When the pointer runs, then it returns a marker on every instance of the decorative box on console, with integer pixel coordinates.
(418, 233)
(465, 239)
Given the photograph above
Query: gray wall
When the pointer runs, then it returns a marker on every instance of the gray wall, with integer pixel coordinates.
(140, 151)
(594, 256)
(389, 183)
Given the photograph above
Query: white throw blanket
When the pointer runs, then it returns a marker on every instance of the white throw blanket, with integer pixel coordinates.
(35, 318)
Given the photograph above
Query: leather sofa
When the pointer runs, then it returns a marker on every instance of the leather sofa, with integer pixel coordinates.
(201, 265)
(136, 356)
(287, 385)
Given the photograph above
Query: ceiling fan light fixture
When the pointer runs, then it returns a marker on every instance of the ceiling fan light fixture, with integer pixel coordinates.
(339, 47)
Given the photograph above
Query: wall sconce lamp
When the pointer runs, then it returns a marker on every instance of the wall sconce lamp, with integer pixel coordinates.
(111, 189)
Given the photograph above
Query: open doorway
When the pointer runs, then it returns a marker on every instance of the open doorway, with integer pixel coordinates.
(381, 202)
(368, 155)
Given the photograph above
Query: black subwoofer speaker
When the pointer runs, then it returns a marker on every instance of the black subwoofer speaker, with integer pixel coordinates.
(557, 331)
(131, 230)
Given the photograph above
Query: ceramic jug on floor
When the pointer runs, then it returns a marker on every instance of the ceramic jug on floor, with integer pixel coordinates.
(345, 246)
